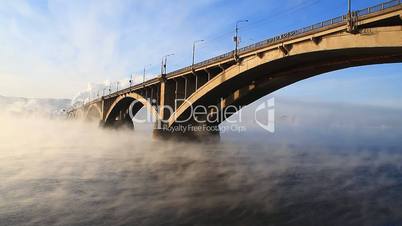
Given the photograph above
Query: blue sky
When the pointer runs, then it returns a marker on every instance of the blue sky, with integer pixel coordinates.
(56, 48)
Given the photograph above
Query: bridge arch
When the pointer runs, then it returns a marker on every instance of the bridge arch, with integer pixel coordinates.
(78, 113)
(289, 62)
(119, 111)
(93, 112)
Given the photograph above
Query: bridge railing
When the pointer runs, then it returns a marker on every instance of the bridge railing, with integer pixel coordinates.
(290, 34)
(284, 36)
(320, 25)
(378, 8)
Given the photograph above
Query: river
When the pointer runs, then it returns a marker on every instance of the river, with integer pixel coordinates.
(56, 172)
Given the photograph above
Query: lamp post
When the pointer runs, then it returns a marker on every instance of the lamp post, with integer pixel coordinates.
(143, 75)
(117, 86)
(350, 17)
(236, 37)
(194, 43)
(103, 92)
(164, 63)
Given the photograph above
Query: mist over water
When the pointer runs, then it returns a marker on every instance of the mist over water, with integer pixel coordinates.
(310, 172)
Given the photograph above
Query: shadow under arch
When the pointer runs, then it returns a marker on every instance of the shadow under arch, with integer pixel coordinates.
(259, 75)
(125, 107)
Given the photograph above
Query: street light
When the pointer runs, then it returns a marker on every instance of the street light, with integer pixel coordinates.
(195, 42)
(350, 19)
(164, 63)
(103, 92)
(117, 86)
(143, 75)
(236, 37)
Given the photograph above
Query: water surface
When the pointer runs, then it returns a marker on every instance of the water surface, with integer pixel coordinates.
(70, 173)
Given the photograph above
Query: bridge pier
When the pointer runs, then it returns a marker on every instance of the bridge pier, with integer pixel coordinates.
(200, 125)
(122, 121)
(192, 131)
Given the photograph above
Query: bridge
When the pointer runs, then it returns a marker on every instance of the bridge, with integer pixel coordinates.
(238, 78)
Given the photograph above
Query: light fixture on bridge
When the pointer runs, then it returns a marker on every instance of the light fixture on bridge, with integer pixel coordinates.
(143, 75)
(236, 37)
(164, 64)
(194, 43)
(351, 18)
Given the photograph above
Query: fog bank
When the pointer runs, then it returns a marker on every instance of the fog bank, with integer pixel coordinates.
(57, 172)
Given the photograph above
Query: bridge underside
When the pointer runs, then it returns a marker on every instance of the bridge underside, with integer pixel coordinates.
(268, 78)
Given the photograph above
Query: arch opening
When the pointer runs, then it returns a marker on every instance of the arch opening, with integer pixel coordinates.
(93, 113)
(125, 108)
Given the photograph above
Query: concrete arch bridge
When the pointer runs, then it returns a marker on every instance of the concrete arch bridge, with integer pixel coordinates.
(236, 79)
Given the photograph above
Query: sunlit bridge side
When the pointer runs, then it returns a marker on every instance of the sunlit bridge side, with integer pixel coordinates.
(238, 78)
